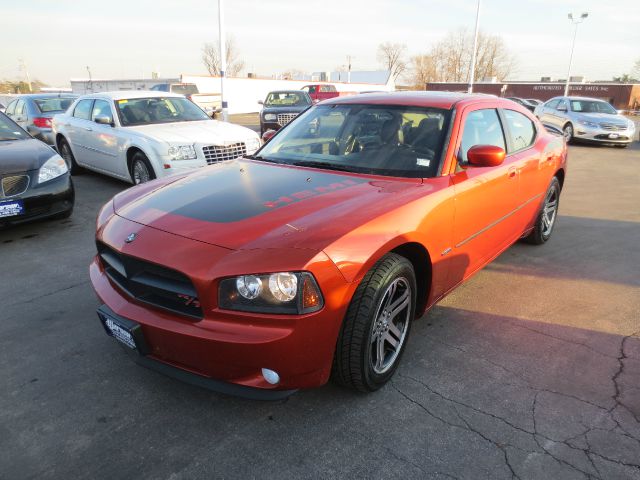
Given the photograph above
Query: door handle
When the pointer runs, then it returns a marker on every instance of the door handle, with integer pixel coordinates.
(512, 172)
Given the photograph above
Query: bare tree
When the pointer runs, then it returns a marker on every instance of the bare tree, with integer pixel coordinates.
(449, 60)
(211, 57)
(391, 55)
(423, 70)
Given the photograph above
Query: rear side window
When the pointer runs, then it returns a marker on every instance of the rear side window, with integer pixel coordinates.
(522, 131)
(83, 109)
(481, 127)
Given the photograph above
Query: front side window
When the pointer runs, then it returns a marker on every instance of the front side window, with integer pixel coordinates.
(522, 131)
(287, 99)
(145, 111)
(83, 109)
(481, 127)
(552, 104)
(101, 108)
(378, 139)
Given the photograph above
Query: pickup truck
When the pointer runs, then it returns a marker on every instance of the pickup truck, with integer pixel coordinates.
(211, 103)
(319, 92)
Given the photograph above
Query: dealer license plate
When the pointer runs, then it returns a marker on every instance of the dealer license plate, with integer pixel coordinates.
(117, 331)
(613, 135)
(11, 208)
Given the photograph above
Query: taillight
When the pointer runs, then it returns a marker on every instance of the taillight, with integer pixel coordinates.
(42, 122)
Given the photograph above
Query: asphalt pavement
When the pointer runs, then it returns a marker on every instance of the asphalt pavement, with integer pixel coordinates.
(530, 370)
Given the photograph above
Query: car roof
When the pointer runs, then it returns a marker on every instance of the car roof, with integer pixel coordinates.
(35, 96)
(444, 100)
(287, 91)
(129, 94)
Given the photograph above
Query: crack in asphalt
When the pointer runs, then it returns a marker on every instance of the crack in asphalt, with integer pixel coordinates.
(48, 294)
(588, 452)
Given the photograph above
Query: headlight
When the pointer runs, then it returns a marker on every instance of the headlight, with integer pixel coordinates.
(589, 124)
(252, 145)
(270, 116)
(182, 152)
(632, 125)
(52, 168)
(281, 292)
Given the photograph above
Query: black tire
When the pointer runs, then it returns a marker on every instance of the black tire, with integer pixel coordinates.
(568, 132)
(65, 152)
(541, 231)
(622, 145)
(353, 359)
(139, 165)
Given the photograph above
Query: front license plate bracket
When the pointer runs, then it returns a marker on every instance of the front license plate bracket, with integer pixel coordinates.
(126, 331)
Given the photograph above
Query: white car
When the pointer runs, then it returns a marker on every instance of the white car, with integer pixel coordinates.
(138, 136)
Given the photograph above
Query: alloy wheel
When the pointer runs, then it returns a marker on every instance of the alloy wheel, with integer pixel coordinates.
(549, 211)
(390, 325)
(140, 172)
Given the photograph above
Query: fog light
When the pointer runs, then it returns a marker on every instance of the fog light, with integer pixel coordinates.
(270, 376)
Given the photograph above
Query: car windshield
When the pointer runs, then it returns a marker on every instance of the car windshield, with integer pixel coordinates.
(287, 99)
(10, 131)
(377, 139)
(592, 106)
(184, 88)
(145, 111)
(56, 104)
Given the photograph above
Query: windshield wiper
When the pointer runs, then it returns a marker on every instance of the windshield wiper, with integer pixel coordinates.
(326, 165)
(262, 159)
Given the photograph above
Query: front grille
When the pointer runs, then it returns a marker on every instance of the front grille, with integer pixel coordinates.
(14, 185)
(613, 126)
(219, 153)
(150, 283)
(284, 118)
(605, 136)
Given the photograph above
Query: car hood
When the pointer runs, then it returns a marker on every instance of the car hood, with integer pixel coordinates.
(602, 117)
(23, 155)
(205, 132)
(244, 204)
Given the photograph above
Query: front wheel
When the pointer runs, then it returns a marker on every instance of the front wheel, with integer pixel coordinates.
(67, 155)
(141, 170)
(567, 131)
(547, 217)
(375, 329)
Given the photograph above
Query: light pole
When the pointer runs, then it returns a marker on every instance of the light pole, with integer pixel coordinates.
(472, 72)
(223, 59)
(576, 22)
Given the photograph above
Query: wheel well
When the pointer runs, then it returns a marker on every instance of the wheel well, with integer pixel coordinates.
(58, 138)
(421, 261)
(560, 176)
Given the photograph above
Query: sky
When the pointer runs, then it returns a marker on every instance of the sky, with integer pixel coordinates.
(58, 39)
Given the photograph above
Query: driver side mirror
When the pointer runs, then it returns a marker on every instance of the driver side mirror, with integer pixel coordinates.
(485, 156)
(104, 120)
(261, 102)
(562, 108)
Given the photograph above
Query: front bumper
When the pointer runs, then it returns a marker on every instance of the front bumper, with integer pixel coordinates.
(49, 199)
(599, 135)
(227, 347)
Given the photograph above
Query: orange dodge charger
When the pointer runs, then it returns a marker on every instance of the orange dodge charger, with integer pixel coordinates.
(268, 273)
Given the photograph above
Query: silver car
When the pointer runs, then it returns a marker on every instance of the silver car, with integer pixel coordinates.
(588, 119)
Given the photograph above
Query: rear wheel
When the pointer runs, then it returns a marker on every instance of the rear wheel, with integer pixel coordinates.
(377, 324)
(567, 132)
(547, 217)
(141, 170)
(67, 155)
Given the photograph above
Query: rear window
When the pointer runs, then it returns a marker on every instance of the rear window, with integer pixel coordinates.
(57, 104)
(185, 89)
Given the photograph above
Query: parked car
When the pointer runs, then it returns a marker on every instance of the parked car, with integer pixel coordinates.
(138, 136)
(34, 113)
(587, 119)
(534, 101)
(314, 256)
(2, 107)
(320, 92)
(34, 179)
(525, 103)
(211, 103)
(280, 107)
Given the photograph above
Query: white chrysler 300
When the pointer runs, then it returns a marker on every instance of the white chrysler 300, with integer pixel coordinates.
(138, 136)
